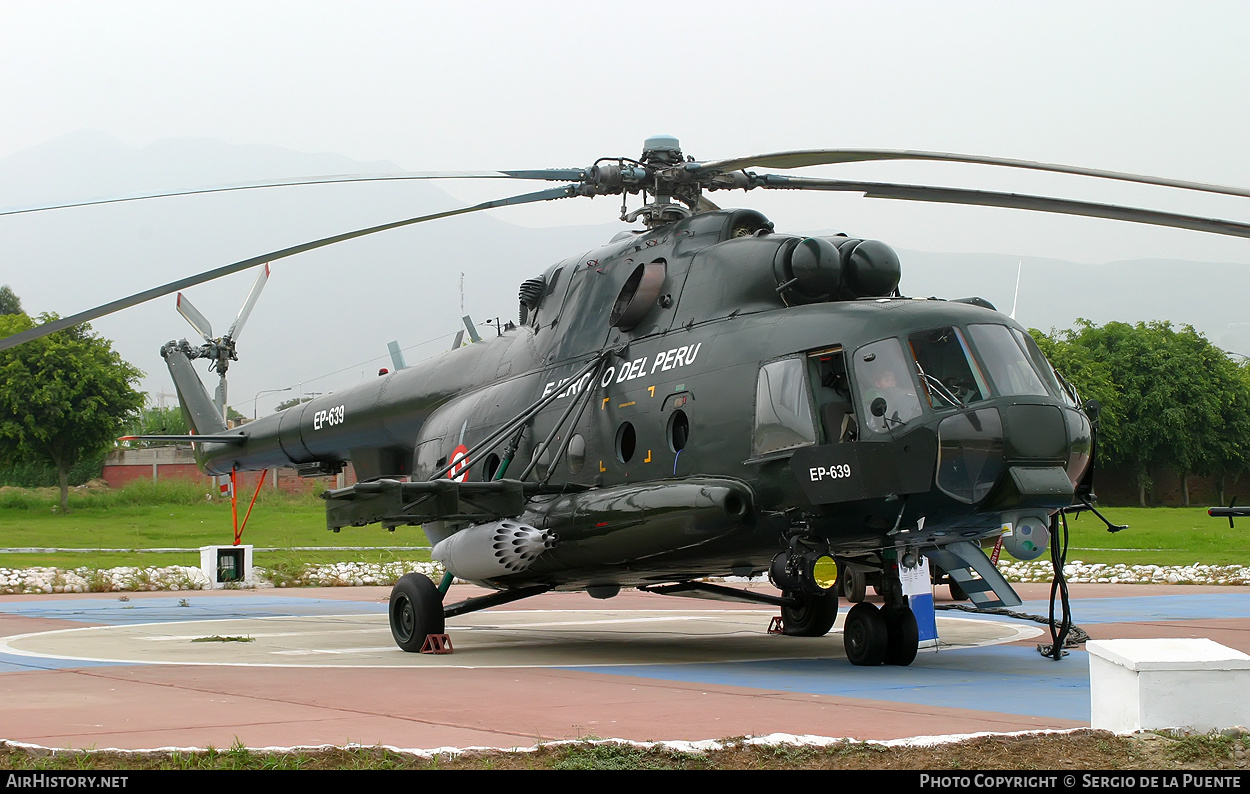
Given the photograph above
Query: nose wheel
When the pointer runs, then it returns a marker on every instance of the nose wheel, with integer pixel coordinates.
(812, 616)
(416, 611)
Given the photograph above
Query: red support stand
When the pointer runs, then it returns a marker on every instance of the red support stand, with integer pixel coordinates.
(437, 643)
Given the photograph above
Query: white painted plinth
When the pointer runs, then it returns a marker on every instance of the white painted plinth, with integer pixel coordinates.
(1195, 684)
(224, 576)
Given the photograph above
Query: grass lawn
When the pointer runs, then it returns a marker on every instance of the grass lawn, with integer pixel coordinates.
(1159, 536)
(177, 516)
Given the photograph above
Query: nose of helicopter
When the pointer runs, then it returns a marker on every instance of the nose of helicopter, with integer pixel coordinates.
(1038, 451)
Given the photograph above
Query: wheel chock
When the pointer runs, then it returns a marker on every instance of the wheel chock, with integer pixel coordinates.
(777, 625)
(437, 643)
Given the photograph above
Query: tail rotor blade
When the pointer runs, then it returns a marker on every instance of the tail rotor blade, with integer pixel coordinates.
(198, 321)
(237, 328)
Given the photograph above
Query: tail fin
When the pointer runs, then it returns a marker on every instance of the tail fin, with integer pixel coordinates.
(201, 415)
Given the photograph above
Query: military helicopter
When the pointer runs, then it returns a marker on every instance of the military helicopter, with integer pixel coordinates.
(701, 397)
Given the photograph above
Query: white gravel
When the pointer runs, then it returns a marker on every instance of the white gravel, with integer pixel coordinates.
(177, 578)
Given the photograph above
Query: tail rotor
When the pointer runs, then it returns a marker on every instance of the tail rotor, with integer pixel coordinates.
(220, 350)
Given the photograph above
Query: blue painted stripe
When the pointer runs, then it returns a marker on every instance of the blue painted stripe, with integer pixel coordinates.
(1142, 609)
(162, 610)
(1006, 679)
(10, 663)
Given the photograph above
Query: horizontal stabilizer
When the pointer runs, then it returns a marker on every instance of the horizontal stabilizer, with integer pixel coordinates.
(218, 438)
(960, 559)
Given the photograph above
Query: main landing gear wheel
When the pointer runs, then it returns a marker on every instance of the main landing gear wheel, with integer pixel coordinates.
(865, 635)
(902, 636)
(813, 616)
(416, 611)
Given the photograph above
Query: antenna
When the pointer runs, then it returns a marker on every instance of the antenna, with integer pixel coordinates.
(397, 355)
(1016, 299)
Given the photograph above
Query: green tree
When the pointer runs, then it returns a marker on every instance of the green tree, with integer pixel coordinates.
(291, 403)
(157, 421)
(1169, 398)
(9, 303)
(63, 398)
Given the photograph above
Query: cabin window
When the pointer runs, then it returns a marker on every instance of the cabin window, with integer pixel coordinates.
(783, 408)
(490, 467)
(678, 431)
(626, 441)
(575, 456)
(951, 376)
(886, 389)
(1008, 366)
(542, 463)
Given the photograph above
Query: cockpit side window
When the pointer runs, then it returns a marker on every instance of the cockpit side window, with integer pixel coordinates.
(783, 407)
(1008, 366)
(950, 374)
(835, 410)
(886, 389)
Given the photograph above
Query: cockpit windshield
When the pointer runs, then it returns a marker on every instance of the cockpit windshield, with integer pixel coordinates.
(1006, 362)
(950, 374)
(1009, 368)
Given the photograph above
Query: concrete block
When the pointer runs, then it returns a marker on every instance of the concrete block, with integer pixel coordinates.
(1194, 684)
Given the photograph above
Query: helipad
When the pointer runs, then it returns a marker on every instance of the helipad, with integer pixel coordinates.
(293, 668)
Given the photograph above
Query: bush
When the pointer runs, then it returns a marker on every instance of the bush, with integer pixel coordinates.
(38, 475)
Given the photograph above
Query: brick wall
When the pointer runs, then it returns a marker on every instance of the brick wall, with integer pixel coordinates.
(124, 466)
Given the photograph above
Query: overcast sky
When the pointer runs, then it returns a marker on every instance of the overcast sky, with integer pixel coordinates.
(1155, 88)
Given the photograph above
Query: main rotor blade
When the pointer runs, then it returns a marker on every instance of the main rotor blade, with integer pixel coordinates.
(549, 175)
(987, 198)
(809, 157)
(156, 292)
(198, 321)
(237, 327)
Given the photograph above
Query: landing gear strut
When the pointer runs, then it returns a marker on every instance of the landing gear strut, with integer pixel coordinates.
(416, 611)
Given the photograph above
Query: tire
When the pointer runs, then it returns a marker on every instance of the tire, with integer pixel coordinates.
(902, 637)
(416, 611)
(865, 636)
(854, 584)
(812, 617)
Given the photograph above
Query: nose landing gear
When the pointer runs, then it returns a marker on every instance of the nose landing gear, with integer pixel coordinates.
(806, 575)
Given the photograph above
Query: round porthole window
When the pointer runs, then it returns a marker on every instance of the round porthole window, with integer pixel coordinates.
(626, 441)
(490, 466)
(678, 431)
(576, 454)
(543, 464)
